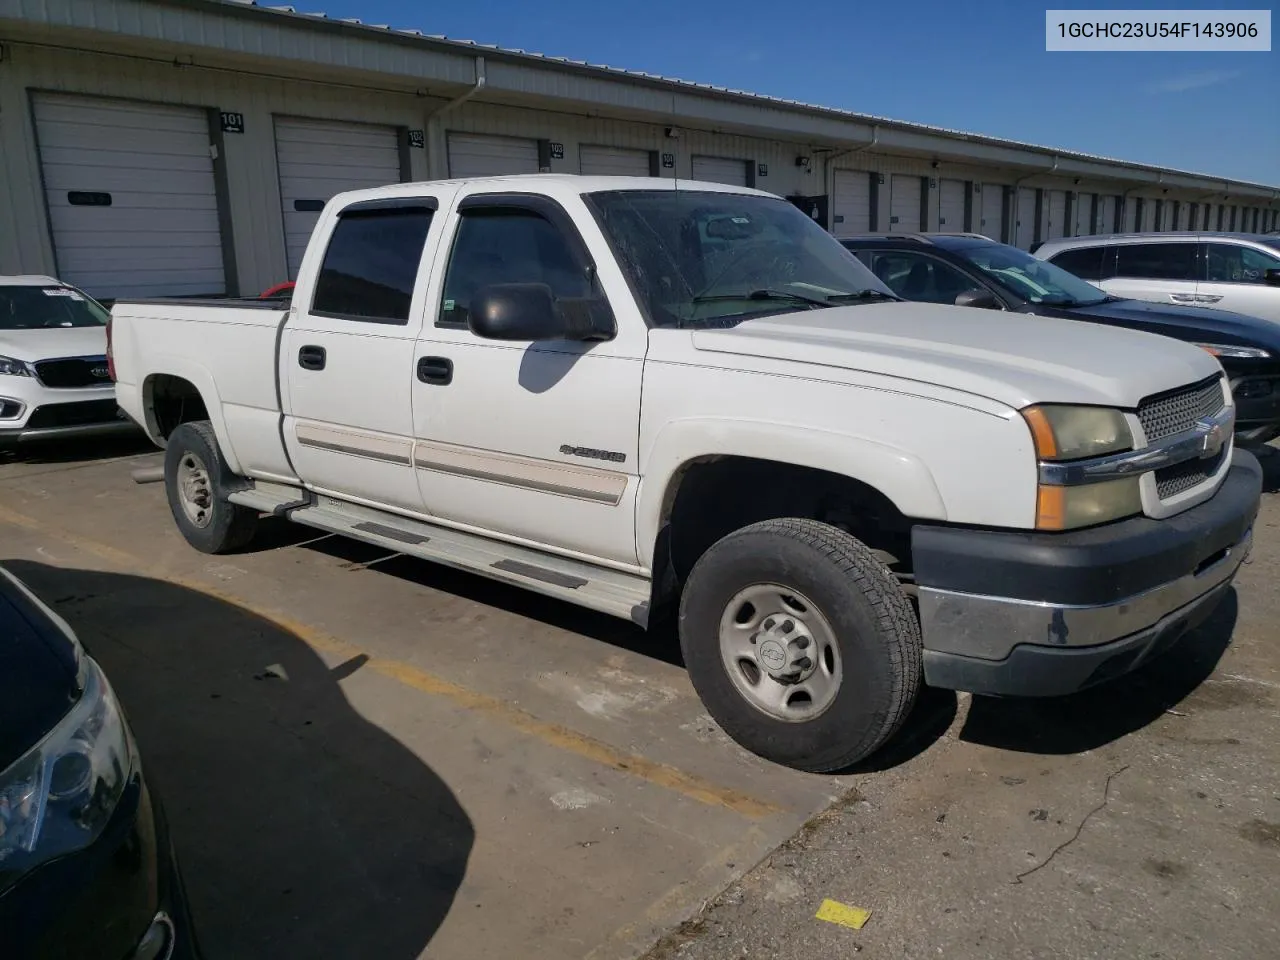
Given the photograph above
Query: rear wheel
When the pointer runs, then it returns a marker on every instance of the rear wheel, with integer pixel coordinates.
(801, 643)
(196, 479)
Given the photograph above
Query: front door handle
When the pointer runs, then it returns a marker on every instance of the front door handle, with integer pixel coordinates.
(437, 370)
(311, 358)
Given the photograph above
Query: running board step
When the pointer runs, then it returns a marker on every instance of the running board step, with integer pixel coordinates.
(609, 591)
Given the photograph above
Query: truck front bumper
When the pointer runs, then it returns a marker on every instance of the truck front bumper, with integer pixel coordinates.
(1041, 614)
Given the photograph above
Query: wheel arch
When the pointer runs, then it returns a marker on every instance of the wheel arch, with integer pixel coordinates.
(179, 392)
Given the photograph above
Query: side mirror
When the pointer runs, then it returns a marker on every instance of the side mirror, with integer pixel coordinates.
(1271, 277)
(528, 311)
(984, 299)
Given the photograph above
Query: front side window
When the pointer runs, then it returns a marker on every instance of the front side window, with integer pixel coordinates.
(1083, 262)
(33, 308)
(1231, 263)
(1156, 261)
(705, 258)
(915, 276)
(508, 245)
(371, 265)
(1032, 279)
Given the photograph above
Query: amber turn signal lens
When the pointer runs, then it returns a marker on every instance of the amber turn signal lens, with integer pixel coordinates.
(1051, 508)
(1041, 433)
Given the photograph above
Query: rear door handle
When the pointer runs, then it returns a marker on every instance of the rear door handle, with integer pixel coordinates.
(437, 370)
(311, 357)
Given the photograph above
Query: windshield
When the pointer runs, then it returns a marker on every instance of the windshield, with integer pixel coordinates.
(30, 308)
(1030, 278)
(701, 258)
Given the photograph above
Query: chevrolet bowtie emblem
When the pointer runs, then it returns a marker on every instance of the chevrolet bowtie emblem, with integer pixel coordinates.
(1215, 437)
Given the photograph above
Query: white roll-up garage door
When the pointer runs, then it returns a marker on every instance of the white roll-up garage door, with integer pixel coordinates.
(317, 159)
(1107, 214)
(1025, 226)
(1057, 221)
(720, 170)
(991, 207)
(1083, 215)
(480, 155)
(904, 204)
(597, 161)
(851, 203)
(951, 206)
(131, 195)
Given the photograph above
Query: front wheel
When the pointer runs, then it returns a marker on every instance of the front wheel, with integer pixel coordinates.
(800, 643)
(195, 480)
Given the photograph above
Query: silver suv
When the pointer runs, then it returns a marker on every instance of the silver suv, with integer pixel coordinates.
(1230, 271)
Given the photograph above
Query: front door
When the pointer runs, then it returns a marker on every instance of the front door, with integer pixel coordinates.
(1235, 279)
(532, 441)
(347, 353)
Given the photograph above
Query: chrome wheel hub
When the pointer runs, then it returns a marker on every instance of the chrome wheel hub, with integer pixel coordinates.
(195, 490)
(780, 652)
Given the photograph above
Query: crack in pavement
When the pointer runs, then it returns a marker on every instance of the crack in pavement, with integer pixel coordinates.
(1106, 797)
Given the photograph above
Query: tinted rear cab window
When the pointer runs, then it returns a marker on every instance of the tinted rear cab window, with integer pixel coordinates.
(371, 265)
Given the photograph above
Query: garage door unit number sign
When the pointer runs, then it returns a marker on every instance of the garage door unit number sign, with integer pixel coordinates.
(232, 122)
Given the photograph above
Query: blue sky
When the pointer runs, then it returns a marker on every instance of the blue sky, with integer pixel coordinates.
(980, 68)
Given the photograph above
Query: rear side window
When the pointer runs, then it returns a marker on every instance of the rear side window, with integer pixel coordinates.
(1156, 261)
(1084, 262)
(371, 265)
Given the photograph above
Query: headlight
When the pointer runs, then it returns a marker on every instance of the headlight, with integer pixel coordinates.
(58, 797)
(1065, 508)
(14, 368)
(1233, 351)
(1071, 433)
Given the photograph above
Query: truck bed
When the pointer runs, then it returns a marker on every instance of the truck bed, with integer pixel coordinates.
(226, 349)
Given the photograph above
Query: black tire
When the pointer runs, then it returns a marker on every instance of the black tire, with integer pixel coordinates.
(875, 631)
(228, 526)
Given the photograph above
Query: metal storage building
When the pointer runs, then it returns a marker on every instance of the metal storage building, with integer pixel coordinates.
(175, 147)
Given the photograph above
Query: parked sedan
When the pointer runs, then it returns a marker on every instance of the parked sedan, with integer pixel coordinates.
(971, 270)
(86, 870)
(55, 380)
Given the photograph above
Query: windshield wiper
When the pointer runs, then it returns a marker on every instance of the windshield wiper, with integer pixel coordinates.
(781, 295)
(861, 296)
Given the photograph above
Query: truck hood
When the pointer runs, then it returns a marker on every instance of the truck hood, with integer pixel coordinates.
(1011, 358)
(48, 343)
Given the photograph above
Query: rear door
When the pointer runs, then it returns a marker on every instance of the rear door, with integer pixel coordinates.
(347, 354)
(1163, 271)
(1233, 279)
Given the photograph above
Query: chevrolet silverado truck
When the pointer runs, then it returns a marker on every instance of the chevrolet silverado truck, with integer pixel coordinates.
(650, 399)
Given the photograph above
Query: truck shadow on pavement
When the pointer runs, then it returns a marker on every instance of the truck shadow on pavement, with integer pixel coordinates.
(1103, 714)
(302, 829)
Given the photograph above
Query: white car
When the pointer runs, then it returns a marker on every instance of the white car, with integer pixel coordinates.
(54, 376)
(1239, 272)
(622, 394)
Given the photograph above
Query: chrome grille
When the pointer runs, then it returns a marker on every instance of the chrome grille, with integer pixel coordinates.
(1178, 411)
(1181, 477)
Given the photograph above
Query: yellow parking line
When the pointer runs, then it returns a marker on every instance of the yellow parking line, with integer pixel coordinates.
(562, 738)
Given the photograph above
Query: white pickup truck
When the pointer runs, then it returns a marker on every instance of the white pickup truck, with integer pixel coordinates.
(627, 393)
